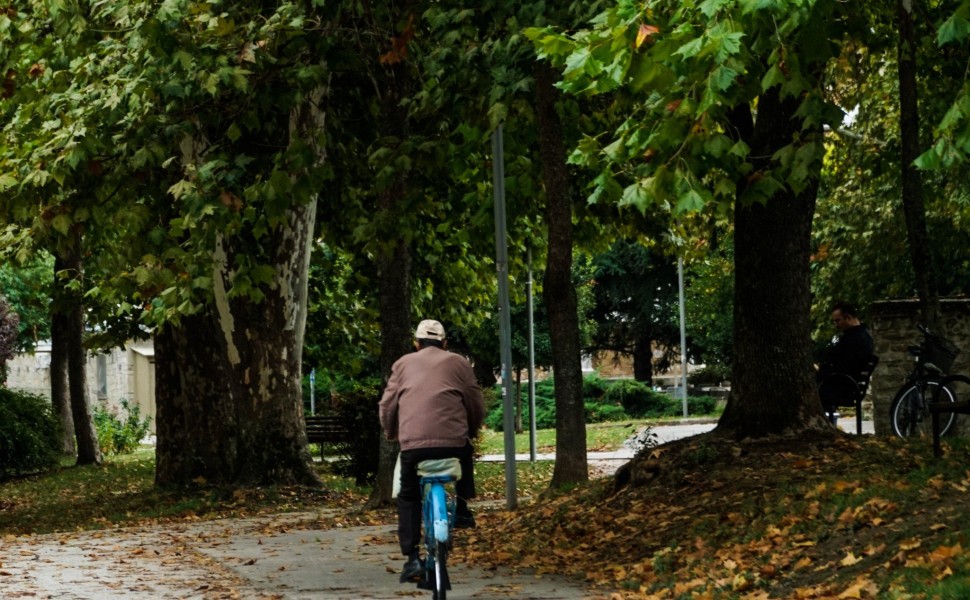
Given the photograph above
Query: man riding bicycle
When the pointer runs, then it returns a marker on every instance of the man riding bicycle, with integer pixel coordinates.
(433, 406)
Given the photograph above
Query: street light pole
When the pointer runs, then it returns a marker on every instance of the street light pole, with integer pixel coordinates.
(505, 321)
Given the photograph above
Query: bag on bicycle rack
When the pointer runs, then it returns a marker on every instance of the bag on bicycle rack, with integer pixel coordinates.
(939, 352)
(440, 467)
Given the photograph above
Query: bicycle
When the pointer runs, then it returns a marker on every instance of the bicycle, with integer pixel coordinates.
(910, 409)
(438, 508)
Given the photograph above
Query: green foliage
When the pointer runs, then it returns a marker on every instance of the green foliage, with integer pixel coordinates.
(679, 71)
(545, 407)
(709, 300)
(860, 250)
(9, 322)
(29, 434)
(604, 400)
(27, 289)
(601, 412)
(709, 375)
(702, 405)
(951, 146)
(120, 434)
(638, 399)
(594, 387)
(162, 134)
(342, 318)
(636, 298)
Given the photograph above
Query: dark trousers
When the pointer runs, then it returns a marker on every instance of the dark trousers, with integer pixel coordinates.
(836, 389)
(409, 497)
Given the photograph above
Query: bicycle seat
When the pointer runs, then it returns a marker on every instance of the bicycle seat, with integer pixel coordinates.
(440, 468)
(914, 350)
(932, 368)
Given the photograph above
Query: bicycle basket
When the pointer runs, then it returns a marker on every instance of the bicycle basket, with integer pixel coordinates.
(939, 352)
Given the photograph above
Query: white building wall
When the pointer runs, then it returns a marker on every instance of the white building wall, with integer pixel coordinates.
(111, 377)
(31, 372)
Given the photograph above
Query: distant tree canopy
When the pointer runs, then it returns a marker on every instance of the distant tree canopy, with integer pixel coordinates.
(636, 305)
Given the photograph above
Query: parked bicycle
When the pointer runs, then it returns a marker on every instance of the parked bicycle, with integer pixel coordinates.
(910, 410)
(438, 508)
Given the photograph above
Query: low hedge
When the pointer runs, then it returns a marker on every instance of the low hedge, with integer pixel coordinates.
(29, 434)
(604, 400)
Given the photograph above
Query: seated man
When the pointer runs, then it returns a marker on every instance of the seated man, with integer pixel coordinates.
(849, 355)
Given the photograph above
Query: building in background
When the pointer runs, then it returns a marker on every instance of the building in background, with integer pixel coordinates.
(121, 374)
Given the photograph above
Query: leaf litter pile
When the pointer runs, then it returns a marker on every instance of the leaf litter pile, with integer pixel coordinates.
(708, 517)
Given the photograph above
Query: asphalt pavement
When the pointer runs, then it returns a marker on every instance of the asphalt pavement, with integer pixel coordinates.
(663, 434)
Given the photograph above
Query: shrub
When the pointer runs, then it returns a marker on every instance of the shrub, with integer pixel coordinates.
(702, 405)
(120, 437)
(710, 375)
(594, 387)
(598, 404)
(599, 412)
(637, 399)
(619, 400)
(29, 434)
(545, 411)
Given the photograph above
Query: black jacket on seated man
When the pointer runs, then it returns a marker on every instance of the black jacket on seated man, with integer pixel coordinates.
(850, 354)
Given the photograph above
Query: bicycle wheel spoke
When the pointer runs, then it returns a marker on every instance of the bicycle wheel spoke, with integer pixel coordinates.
(910, 413)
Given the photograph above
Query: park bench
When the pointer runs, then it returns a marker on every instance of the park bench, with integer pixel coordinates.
(941, 407)
(850, 390)
(326, 429)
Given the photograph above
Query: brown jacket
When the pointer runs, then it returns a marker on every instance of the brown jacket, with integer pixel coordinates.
(432, 400)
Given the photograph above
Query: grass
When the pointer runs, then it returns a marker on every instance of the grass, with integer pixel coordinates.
(808, 517)
(121, 492)
(600, 437)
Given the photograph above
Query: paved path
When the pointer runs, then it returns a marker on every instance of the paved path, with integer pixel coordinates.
(280, 557)
(298, 556)
(664, 434)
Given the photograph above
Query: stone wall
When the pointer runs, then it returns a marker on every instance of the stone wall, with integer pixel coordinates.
(110, 376)
(893, 327)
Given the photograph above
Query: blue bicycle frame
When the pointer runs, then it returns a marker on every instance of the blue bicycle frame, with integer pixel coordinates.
(438, 509)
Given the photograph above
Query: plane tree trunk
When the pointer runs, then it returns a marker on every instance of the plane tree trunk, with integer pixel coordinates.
(228, 380)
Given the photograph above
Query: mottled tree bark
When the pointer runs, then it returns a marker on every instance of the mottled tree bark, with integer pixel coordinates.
(228, 380)
(558, 291)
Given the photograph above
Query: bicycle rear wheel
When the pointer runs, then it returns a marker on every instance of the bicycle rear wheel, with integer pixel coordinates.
(910, 414)
(441, 582)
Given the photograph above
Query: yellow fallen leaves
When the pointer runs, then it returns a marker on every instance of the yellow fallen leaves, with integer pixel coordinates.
(944, 553)
(849, 560)
(862, 587)
(911, 544)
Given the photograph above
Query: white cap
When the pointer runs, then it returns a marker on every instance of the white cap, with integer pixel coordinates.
(429, 329)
